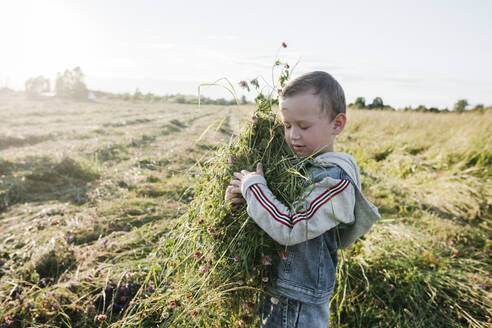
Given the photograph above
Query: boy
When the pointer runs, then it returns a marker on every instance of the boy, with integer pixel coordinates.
(334, 214)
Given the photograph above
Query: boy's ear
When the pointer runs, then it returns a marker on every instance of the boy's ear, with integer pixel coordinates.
(339, 123)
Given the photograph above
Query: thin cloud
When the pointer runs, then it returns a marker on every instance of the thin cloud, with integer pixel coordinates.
(163, 45)
(227, 37)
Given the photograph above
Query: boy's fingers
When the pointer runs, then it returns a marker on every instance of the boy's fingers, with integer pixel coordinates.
(238, 175)
(259, 169)
(237, 200)
(229, 193)
(236, 182)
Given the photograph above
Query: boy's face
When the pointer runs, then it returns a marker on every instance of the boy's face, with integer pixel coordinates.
(307, 130)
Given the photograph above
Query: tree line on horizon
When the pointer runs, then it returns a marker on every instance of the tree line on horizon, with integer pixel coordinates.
(377, 104)
(71, 84)
(173, 98)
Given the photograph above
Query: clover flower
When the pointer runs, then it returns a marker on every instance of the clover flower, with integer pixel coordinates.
(9, 320)
(172, 303)
(236, 258)
(101, 317)
(254, 119)
(284, 255)
(284, 45)
(202, 268)
(266, 260)
(197, 255)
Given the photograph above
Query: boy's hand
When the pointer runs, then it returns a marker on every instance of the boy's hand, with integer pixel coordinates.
(233, 195)
(243, 175)
(233, 191)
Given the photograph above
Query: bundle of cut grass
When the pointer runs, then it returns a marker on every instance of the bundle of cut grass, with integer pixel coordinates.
(217, 262)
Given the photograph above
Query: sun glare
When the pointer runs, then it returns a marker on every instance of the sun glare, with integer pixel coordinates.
(51, 36)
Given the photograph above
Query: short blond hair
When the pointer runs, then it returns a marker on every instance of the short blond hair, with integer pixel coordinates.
(322, 84)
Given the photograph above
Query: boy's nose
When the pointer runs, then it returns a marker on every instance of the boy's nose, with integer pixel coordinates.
(294, 133)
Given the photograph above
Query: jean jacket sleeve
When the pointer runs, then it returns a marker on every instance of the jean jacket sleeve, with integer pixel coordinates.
(324, 205)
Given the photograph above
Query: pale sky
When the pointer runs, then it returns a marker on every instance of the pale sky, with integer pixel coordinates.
(407, 52)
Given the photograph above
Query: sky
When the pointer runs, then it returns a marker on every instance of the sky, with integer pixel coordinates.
(407, 52)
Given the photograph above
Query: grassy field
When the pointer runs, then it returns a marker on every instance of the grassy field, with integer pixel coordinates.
(90, 190)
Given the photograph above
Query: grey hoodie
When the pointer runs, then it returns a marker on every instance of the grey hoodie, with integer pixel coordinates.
(324, 205)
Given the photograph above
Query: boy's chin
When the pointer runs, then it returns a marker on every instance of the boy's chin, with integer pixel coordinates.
(301, 154)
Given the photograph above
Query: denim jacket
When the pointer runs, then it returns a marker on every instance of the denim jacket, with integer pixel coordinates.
(334, 214)
(308, 274)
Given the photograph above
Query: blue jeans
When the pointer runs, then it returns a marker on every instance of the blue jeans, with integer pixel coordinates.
(288, 313)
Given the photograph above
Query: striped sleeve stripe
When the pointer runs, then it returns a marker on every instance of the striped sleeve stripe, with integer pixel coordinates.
(335, 187)
(319, 201)
(270, 207)
(290, 221)
(265, 198)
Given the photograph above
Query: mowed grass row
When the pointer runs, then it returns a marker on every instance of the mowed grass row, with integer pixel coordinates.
(84, 212)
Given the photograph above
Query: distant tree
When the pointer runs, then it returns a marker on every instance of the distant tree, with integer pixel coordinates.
(37, 85)
(359, 103)
(137, 95)
(180, 99)
(479, 108)
(421, 108)
(460, 106)
(243, 100)
(434, 110)
(149, 97)
(377, 103)
(71, 84)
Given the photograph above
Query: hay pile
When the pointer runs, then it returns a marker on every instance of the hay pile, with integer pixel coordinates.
(218, 262)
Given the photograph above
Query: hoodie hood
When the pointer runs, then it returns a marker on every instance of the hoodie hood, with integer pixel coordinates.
(365, 212)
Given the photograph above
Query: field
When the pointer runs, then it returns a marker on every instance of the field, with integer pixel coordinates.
(90, 190)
